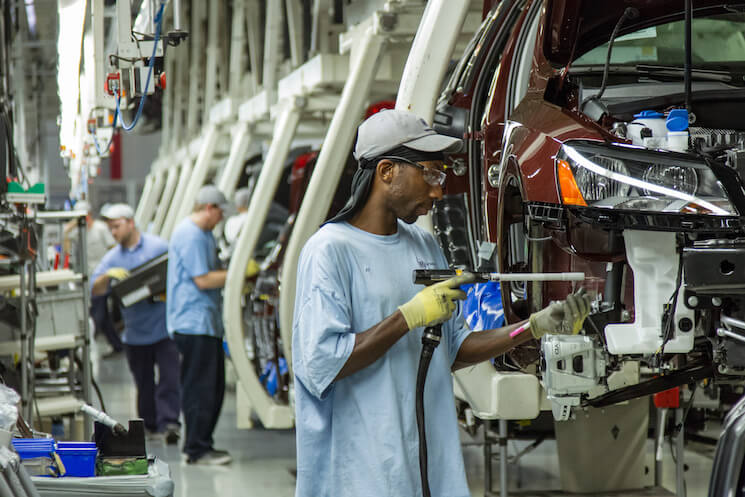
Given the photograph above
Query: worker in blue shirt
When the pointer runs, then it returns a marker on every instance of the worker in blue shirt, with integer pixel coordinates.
(358, 324)
(194, 310)
(146, 339)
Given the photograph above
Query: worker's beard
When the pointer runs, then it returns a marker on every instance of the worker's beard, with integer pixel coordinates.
(126, 239)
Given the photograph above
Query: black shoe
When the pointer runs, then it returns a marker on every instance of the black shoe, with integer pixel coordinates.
(173, 434)
(211, 458)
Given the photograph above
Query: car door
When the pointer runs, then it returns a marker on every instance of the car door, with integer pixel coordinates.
(459, 114)
(728, 471)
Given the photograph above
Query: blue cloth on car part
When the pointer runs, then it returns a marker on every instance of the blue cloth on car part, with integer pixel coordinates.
(357, 436)
(482, 308)
(268, 377)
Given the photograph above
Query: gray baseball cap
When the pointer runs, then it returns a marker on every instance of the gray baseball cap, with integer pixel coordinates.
(210, 194)
(392, 128)
(242, 196)
(118, 211)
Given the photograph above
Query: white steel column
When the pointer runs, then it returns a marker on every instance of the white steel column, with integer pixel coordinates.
(427, 62)
(272, 45)
(147, 190)
(196, 75)
(253, 29)
(181, 182)
(365, 58)
(178, 79)
(191, 184)
(163, 207)
(149, 209)
(430, 55)
(210, 82)
(296, 31)
(237, 47)
(241, 139)
(272, 415)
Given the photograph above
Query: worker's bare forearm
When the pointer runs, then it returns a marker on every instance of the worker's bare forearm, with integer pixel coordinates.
(101, 285)
(483, 345)
(212, 279)
(371, 344)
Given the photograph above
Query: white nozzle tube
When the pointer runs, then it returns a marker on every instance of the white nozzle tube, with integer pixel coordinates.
(537, 276)
(99, 416)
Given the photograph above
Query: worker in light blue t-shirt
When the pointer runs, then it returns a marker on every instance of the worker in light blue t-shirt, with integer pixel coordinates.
(194, 314)
(145, 336)
(359, 320)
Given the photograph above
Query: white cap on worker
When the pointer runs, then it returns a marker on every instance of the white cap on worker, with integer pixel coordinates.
(392, 128)
(210, 194)
(118, 211)
(242, 196)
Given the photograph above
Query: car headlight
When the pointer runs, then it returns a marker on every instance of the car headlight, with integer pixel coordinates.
(632, 178)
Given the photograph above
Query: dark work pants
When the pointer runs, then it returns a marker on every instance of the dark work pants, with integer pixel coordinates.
(203, 383)
(158, 405)
(104, 323)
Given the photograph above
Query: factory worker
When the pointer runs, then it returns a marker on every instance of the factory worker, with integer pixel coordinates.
(195, 282)
(146, 339)
(358, 323)
(234, 223)
(98, 242)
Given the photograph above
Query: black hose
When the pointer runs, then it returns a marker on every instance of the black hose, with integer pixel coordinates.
(628, 13)
(430, 341)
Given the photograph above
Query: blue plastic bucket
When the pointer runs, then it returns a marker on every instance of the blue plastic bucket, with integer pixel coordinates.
(29, 448)
(79, 458)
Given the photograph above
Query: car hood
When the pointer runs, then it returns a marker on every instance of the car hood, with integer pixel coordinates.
(589, 23)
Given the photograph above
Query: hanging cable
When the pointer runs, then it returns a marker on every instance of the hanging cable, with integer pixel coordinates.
(151, 65)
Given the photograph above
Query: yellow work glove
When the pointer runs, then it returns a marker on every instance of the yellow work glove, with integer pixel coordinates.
(435, 304)
(561, 318)
(252, 268)
(117, 273)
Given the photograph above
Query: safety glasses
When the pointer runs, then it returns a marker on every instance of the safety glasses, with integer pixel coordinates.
(433, 177)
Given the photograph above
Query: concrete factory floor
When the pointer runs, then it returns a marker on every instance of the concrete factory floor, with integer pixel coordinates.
(264, 459)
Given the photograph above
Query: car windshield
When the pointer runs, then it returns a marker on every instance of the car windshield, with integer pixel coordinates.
(718, 42)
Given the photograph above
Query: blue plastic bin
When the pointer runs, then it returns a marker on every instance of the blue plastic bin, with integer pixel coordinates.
(29, 448)
(79, 458)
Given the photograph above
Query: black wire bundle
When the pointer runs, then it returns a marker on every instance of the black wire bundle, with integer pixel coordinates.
(669, 325)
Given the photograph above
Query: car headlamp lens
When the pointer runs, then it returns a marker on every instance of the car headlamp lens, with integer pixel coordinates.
(682, 179)
(633, 178)
(598, 187)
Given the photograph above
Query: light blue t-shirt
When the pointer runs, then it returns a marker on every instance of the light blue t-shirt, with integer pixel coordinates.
(191, 311)
(145, 321)
(357, 437)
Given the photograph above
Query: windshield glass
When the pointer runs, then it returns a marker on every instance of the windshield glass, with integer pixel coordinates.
(718, 42)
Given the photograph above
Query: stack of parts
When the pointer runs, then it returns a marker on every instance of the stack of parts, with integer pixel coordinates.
(156, 483)
(36, 455)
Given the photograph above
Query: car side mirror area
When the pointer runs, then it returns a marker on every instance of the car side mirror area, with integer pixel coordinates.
(451, 121)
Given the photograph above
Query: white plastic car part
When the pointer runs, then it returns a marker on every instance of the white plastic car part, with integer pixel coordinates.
(496, 394)
(654, 261)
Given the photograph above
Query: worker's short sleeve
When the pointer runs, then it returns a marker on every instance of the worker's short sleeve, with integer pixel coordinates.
(322, 336)
(195, 255)
(458, 331)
